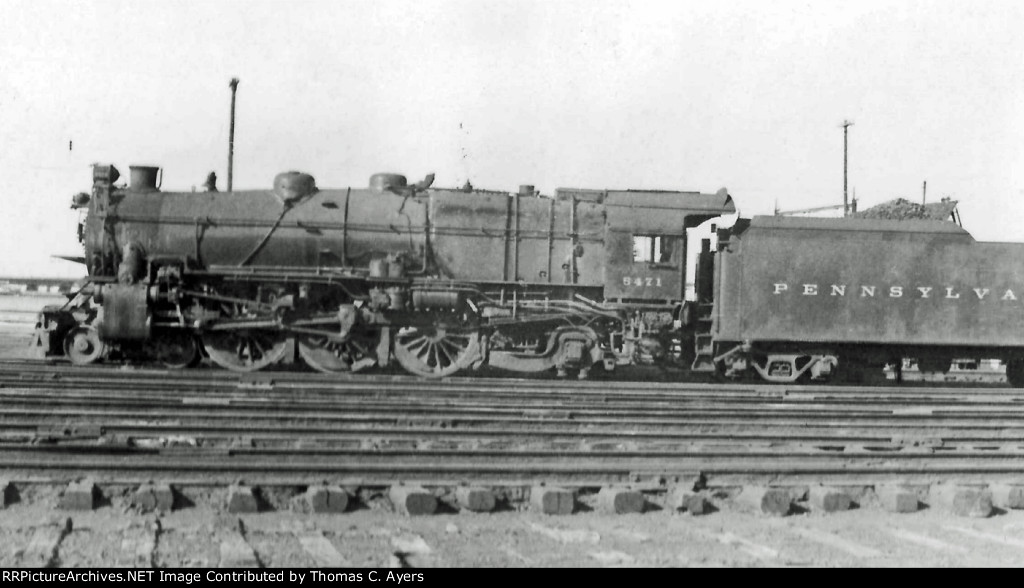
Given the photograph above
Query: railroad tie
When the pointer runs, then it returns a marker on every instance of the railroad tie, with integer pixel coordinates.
(412, 500)
(242, 499)
(327, 499)
(552, 501)
(897, 499)
(7, 493)
(1008, 496)
(620, 500)
(827, 499)
(964, 500)
(151, 497)
(475, 498)
(774, 501)
(80, 495)
(694, 503)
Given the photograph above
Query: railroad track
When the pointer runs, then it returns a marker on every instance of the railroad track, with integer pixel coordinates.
(294, 428)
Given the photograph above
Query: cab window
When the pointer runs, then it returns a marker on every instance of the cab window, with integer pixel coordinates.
(654, 248)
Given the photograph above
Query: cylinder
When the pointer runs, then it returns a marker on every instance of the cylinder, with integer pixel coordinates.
(143, 178)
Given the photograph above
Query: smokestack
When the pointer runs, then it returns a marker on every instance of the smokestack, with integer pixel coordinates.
(231, 134)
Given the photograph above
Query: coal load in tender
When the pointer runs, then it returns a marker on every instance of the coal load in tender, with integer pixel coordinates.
(898, 209)
(901, 209)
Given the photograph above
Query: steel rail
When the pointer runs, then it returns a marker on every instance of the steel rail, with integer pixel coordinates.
(286, 378)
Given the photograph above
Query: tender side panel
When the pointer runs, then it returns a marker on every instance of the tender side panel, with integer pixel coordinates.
(887, 282)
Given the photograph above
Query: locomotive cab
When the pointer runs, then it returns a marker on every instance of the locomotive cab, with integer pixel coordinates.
(651, 243)
(648, 254)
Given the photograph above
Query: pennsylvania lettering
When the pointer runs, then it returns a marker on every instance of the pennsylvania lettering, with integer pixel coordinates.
(917, 292)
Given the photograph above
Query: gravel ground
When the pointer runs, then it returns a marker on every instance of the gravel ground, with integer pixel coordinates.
(734, 536)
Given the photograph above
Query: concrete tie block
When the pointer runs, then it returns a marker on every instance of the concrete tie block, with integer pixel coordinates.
(771, 501)
(6, 494)
(898, 500)
(1008, 496)
(824, 499)
(327, 499)
(553, 501)
(697, 505)
(242, 499)
(151, 497)
(617, 500)
(79, 496)
(475, 499)
(972, 502)
(413, 500)
(692, 502)
(684, 498)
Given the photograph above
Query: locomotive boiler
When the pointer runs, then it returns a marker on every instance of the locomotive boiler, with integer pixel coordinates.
(438, 280)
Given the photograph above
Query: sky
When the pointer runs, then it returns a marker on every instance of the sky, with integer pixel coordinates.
(597, 94)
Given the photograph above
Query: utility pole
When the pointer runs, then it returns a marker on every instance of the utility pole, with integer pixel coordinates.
(924, 192)
(846, 204)
(231, 133)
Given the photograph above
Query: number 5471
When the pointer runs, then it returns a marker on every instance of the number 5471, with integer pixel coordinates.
(638, 281)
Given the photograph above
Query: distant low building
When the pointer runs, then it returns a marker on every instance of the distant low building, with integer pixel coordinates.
(23, 286)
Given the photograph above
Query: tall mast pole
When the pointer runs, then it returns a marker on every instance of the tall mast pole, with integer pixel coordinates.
(231, 133)
(846, 202)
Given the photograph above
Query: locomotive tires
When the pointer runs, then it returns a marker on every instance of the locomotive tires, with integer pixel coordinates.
(324, 355)
(245, 351)
(175, 350)
(82, 345)
(436, 352)
(1015, 372)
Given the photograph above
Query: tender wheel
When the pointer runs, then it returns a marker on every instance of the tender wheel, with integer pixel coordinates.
(436, 352)
(82, 345)
(176, 349)
(245, 351)
(324, 355)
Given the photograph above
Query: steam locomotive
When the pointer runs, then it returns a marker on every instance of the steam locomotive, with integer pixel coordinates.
(445, 280)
